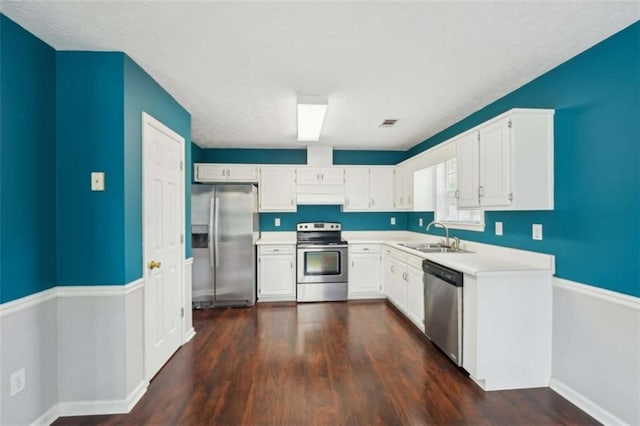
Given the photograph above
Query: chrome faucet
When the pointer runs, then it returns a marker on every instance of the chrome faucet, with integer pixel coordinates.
(446, 230)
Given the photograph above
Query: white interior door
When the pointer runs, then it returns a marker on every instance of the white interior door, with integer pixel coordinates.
(163, 224)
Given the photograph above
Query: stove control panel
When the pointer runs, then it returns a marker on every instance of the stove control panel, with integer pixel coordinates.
(319, 226)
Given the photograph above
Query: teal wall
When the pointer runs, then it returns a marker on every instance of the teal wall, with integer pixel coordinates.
(27, 163)
(62, 116)
(90, 137)
(594, 230)
(142, 93)
(101, 97)
(351, 221)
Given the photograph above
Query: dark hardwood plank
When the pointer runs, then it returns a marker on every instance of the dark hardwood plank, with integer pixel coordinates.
(355, 363)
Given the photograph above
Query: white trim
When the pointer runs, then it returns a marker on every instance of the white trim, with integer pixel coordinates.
(585, 404)
(188, 335)
(188, 261)
(599, 293)
(35, 299)
(27, 302)
(96, 408)
(48, 417)
(100, 290)
(136, 395)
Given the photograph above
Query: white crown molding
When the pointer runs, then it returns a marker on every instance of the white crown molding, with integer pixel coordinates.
(585, 404)
(599, 293)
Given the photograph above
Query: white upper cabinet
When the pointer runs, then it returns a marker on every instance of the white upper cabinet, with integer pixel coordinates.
(403, 186)
(368, 188)
(277, 189)
(507, 163)
(320, 176)
(381, 188)
(205, 172)
(356, 188)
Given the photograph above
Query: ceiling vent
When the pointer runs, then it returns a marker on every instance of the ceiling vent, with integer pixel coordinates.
(389, 122)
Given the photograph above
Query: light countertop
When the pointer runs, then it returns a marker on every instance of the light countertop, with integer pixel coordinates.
(484, 259)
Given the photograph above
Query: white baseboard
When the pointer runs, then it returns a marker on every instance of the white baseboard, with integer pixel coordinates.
(586, 405)
(189, 335)
(95, 408)
(49, 416)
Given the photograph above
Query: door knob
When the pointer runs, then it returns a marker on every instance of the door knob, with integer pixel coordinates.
(154, 264)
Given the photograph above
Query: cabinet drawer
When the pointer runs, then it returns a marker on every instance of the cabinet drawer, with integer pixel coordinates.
(414, 262)
(364, 248)
(276, 249)
(395, 253)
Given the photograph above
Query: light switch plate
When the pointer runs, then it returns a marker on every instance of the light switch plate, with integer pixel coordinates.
(536, 231)
(420, 222)
(393, 220)
(97, 181)
(276, 221)
(498, 228)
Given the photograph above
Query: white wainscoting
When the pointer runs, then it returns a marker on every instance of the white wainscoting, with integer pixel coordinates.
(596, 351)
(28, 339)
(187, 321)
(82, 350)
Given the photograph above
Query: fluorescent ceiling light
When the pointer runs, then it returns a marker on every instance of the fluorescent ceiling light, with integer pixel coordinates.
(311, 112)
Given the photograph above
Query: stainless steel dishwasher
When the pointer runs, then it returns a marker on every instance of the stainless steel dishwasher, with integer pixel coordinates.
(443, 308)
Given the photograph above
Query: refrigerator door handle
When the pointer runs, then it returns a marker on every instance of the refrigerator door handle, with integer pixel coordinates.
(216, 231)
(210, 236)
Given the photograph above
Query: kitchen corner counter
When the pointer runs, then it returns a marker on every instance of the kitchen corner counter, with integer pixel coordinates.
(277, 238)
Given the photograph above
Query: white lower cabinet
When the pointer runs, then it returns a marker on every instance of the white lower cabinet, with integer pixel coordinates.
(276, 273)
(403, 283)
(507, 330)
(365, 271)
(415, 294)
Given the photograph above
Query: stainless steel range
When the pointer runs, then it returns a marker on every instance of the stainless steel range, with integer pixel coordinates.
(322, 262)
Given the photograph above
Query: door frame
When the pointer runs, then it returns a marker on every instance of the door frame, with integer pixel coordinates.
(148, 120)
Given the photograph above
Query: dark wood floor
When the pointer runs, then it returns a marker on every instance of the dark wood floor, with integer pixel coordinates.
(324, 363)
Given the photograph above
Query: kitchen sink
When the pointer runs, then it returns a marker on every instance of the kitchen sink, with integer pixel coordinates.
(431, 248)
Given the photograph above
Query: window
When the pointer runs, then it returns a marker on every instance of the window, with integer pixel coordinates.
(446, 203)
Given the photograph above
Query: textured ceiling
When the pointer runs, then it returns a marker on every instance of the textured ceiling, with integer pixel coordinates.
(238, 66)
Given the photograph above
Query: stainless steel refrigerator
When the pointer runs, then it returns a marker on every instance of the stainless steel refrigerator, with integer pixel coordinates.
(224, 229)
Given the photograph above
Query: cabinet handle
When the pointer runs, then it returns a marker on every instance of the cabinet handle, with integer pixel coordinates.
(480, 191)
(392, 269)
(292, 201)
(457, 194)
(373, 201)
(365, 249)
(352, 265)
(223, 172)
(291, 265)
(318, 177)
(276, 250)
(321, 176)
(510, 197)
(228, 173)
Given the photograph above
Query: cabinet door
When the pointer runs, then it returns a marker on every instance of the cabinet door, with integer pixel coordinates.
(495, 164)
(381, 188)
(356, 188)
(415, 297)
(388, 278)
(242, 173)
(398, 188)
(332, 176)
(307, 176)
(210, 173)
(467, 170)
(364, 274)
(408, 185)
(401, 287)
(276, 278)
(277, 189)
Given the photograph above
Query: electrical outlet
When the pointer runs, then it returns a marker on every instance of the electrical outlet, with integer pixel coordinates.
(498, 228)
(536, 231)
(276, 221)
(420, 222)
(17, 382)
(393, 220)
(97, 181)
